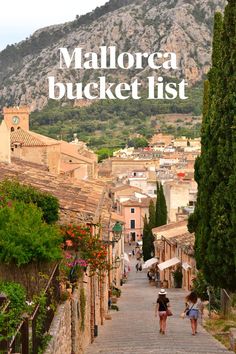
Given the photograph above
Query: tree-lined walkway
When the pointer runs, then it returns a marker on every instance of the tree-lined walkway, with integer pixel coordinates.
(134, 329)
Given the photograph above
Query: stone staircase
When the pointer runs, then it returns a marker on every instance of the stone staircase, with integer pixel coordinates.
(134, 329)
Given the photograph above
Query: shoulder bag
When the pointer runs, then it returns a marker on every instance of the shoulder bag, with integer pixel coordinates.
(188, 310)
(168, 311)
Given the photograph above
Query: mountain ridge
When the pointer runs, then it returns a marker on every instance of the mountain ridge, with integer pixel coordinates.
(132, 25)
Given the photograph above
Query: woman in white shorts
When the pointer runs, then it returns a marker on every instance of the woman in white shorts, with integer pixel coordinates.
(162, 305)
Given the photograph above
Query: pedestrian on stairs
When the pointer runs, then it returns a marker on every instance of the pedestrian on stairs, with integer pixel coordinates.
(162, 305)
(193, 310)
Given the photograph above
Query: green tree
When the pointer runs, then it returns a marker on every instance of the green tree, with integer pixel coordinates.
(152, 215)
(161, 209)
(104, 153)
(214, 219)
(10, 319)
(13, 190)
(148, 239)
(157, 203)
(25, 238)
(138, 142)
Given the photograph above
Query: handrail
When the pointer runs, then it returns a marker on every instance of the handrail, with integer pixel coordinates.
(16, 332)
(5, 306)
(24, 327)
(45, 290)
(228, 296)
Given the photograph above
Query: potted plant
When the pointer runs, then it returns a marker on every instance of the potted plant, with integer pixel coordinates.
(115, 293)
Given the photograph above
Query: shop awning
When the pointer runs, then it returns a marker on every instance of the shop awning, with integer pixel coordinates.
(167, 264)
(186, 266)
(150, 262)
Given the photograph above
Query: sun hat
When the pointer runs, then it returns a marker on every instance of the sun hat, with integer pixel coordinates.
(162, 292)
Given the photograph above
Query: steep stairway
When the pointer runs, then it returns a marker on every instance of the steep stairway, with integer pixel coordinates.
(134, 329)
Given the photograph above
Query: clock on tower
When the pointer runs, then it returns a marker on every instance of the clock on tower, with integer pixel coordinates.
(15, 120)
(17, 117)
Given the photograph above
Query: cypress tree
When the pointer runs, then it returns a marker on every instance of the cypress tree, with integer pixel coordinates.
(161, 209)
(152, 215)
(157, 204)
(148, 239)
(214, 219)
(157, 217)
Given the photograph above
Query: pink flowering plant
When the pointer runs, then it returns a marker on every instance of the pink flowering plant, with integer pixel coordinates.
(72, 266)
(87, 250)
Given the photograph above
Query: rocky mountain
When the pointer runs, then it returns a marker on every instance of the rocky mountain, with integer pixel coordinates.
(180, 26)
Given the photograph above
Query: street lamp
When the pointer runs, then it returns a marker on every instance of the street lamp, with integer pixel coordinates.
(116, 262)
(117, 232)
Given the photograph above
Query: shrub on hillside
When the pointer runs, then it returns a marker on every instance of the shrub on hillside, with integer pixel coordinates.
(13, 190)
(25, 237)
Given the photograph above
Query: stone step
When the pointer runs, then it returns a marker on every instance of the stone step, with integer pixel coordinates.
(143, 350)
(135, 330)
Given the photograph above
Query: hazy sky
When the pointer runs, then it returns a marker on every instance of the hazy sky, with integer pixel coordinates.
(20, 18)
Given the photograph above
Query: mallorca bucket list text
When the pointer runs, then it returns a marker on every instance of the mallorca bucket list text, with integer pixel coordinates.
(109, 59)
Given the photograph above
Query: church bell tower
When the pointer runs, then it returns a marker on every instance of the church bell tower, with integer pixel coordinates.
(16, 117)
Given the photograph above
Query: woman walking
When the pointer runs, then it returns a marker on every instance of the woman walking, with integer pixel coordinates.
(162, 306)
(193, 309)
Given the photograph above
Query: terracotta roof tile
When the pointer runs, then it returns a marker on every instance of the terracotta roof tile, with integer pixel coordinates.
(185, 239)
(72, 150)
(177, 232)
(87, 198)
(143, 203)
(45, 139)
(174, 225)
(67, 167)
(117, 217)
(25, 138)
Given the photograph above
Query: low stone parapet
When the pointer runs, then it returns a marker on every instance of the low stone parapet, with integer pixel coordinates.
(60, 331)
(232, 338)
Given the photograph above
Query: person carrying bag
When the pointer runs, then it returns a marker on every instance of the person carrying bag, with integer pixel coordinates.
(194, 306)
(186, 312)
(162, 307)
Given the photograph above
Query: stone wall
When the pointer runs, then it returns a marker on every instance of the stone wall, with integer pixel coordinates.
(72, 329)
(61, 331)
(81, 337)
(44, 155)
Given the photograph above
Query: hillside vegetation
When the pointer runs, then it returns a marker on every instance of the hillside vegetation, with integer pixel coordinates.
(112, 123)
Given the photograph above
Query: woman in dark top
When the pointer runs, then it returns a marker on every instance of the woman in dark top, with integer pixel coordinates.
(162, 305)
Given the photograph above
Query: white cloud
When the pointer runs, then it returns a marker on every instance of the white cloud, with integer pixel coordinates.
(20, 18)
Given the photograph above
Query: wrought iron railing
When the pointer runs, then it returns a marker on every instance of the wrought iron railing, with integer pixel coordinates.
(27, 339)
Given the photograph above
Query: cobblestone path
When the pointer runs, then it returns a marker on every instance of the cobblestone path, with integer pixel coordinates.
(134, 329)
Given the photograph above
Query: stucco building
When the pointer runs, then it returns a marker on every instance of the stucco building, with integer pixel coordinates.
(179, 193)
(174, 247)
(60, 157)
(132, 204)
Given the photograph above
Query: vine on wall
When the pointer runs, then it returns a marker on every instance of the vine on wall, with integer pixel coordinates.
(82, 308)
